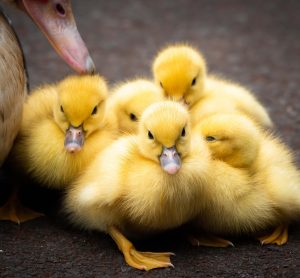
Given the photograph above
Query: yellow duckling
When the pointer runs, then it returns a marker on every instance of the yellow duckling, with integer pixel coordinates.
(142, 184)
(181, 72)
(270, 199)
(61, 32)
(232, 138)
(55, 19)
(63, 126)
(130, 99)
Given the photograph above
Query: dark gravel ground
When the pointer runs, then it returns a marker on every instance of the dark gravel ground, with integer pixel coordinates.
(256, 43)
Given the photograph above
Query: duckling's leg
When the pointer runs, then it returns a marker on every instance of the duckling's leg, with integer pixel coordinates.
(279, 236)
(137, 259)
(14, 211)
(209, 241)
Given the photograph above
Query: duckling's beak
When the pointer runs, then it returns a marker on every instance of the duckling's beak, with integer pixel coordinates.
(170, 160)
(74, 139)
(56, 21)
(184, 103)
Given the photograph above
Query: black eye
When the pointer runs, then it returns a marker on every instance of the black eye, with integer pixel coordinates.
(210, 138)
(95, 110)
(161, 85)
(60, 9)
(150, 135)
(194, 81)
(133, 117)
(61, 109)
(183, 132)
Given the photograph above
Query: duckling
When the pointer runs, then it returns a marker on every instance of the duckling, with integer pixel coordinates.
(56, 21)
(142, 184)
(181, 71)
(270, 199)
(130, 99)
(63, 126)
(231, 138)
(62, 34)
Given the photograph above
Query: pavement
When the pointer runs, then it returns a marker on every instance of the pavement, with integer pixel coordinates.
(256, 43)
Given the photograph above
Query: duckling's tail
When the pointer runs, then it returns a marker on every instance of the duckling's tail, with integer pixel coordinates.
(287, 198)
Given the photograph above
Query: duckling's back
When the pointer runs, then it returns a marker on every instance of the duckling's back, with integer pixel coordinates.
(276, 171)
(224, 96)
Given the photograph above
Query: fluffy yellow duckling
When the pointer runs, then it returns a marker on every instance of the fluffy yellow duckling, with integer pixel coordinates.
(61, 32)
(63, 126)
(181, 72)
(232, 138)
(130, 99)
(142, 184)
(270, 199)
(55, 19)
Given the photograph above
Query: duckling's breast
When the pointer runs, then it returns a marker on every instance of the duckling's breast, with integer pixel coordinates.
(167, 202)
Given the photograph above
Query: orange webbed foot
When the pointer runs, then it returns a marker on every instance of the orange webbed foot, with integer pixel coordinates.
(14, 211)
(137, 259)
(279, 236)
(209, 241)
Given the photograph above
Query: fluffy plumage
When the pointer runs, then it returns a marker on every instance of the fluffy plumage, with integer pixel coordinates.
(132, 189)
(63, 126)
(269, 194)
(181, 72)
(231, 138)
(130, 99)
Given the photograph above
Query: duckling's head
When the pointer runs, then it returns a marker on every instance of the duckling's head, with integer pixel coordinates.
(180, 70)
(164, 134)
(132, 98)
(232, 138)
(80, 108)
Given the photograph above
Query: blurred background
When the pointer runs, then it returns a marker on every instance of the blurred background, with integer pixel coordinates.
(255, 43)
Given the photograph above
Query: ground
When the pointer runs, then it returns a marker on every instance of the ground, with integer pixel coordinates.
(256, 43)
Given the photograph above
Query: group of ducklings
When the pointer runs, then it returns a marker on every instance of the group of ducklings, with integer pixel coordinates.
(186, 148)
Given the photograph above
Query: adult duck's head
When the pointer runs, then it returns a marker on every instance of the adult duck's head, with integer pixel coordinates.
(55, 19)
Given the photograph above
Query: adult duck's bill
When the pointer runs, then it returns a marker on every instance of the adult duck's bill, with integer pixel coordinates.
(170, 160)
(55, 19)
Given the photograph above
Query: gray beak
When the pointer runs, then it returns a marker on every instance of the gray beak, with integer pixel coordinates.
(170, 160)
(74, 139)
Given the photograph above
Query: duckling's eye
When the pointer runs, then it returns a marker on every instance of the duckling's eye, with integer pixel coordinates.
(161, 85)
(95, 110)
(194, 81)
(133, 117)
(183, 132)
(150, 135)
(210, 138)
(62, 109)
